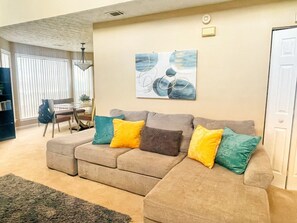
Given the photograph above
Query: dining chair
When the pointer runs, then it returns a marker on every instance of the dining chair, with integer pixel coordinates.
(88, 117)
(68, 112)
(56, 119)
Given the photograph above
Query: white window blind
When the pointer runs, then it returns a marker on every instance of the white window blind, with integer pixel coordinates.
(5, 58)
(82, 81)
(40, 78)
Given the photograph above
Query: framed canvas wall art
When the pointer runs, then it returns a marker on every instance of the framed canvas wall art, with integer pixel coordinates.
(169, 75)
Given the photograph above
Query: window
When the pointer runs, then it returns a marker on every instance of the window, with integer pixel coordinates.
(5, 58)
(40, 78)
(82, 81)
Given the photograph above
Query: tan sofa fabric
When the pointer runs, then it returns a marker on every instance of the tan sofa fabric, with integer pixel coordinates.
(173, 122)
(99, 154)
(60, 151)
(62, 163)
(130, 115)
(133, 182)
(148, 163)
(258, 172)
(241, 127)
(189, 193)
(65, 145)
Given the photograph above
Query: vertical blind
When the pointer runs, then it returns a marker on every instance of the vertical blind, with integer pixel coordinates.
(82, 81)
(40, 78)
(5, 58)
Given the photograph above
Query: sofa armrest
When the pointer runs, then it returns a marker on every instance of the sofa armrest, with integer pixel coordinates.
(258, 172)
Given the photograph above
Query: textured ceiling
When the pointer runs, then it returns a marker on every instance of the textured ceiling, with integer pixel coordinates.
(68, 31)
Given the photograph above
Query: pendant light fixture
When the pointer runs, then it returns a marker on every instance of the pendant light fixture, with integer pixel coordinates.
(83, 65)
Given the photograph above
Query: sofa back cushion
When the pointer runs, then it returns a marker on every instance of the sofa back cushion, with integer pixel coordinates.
(241, 127)
(130, 115)
(175, 122)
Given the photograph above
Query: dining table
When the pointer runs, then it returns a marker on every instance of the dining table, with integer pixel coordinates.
(71, 109)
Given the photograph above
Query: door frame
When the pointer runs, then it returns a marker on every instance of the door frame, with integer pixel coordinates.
(294, 123)
(268, 75)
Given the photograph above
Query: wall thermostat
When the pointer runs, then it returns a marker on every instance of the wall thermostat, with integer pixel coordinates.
(206, 19)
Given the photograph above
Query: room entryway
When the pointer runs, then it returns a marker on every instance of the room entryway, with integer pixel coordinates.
(280, 137)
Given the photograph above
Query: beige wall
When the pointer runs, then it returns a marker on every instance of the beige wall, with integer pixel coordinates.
(232, 66)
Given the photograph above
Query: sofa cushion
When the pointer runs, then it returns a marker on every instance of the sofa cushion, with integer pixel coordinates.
(147, 163)
(130, 115)
(133, 182)
(204, 145)
(65, 145)
(242, 127)
(236, 150)
(126, 134)
(99, 154)
(160, 141)
(208, 196)
(174, 122)
(104, 129)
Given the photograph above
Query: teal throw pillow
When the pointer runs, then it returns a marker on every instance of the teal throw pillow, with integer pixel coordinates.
(235, 150)
(104, 129)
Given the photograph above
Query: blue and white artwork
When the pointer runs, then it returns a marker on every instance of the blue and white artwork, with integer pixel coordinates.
(169, 75)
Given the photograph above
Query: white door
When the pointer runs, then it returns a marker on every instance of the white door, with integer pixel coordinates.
(292, 170)
(281, 102)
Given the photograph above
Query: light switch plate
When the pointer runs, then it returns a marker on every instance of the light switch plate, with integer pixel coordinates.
(208, 31)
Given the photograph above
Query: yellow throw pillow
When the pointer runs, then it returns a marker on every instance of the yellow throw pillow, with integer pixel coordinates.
(126, 134)
(204, 145)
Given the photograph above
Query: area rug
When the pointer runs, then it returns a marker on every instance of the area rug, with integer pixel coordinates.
(25, 201)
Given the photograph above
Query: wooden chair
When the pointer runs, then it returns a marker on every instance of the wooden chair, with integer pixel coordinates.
(80, 125)
(66, 112)
(63, 101)
(56, 120)
(88, 117)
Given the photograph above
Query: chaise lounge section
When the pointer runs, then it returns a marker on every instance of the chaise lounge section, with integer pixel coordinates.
(192, 193)
(176, 188)
(60, 151)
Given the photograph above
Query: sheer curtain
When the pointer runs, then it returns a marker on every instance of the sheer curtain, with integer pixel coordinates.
(82, 81)
(40, 78)
(5, 58)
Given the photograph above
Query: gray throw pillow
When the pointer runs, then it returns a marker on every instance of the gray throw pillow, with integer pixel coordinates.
(173, 122)
(160, 141)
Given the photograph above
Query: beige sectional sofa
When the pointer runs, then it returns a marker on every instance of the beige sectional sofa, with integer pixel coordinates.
(176, 188)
